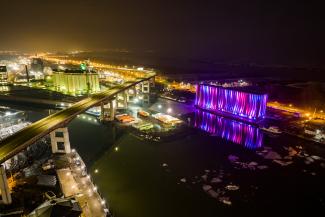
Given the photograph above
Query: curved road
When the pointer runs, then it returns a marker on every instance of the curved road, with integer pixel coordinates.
(29, 135)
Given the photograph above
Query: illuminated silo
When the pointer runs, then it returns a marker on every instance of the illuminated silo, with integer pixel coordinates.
(76, 82)
(247, 104)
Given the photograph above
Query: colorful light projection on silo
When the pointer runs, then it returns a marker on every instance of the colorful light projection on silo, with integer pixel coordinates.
(237, 132)
(236, 102)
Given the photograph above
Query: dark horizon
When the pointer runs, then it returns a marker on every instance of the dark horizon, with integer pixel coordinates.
(267, 33)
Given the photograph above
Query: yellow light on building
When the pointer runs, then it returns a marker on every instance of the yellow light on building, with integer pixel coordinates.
(76, 83)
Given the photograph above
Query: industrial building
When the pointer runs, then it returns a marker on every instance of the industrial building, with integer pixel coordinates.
(76, 82)
(9, 117)
(3, 75)
(238, 102)
(37, 65)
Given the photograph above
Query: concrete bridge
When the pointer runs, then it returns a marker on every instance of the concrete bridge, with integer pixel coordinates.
(55, 124)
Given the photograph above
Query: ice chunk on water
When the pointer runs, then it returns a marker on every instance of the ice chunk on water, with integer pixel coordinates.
(253, 163)
(283, 163)
(315, 157)
(206, 187)
(262, 167)
(233, 158)
(272, 155)
(232, 187)
(225, 200)
(213, 194)
(216, 180)
(204, 177)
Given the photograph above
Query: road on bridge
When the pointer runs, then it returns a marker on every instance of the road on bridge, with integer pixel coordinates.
(29, 135)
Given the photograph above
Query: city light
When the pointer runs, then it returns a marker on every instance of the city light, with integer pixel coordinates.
(169, 110)
(96, 171)
(116, 148)
(159, 106)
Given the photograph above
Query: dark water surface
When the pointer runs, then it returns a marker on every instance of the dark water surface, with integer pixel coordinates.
(136, 181)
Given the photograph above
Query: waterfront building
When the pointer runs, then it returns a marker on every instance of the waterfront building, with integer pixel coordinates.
(238, 102)
(37, 65)
(3, 75)
(9, 117)
(76, 82)
(58, 207)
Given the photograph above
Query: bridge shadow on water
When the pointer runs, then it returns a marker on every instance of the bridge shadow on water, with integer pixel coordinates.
(92, 140)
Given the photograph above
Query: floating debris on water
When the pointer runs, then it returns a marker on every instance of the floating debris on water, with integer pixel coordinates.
(283, 163)
(315, 157)
(262, 167)
(252, 164)
(225, 200)
(233, 158)
(272, 155)
(232, 187)
(206, 187)
(204, 177)
(322, 165)
(216, 180)
(213, 193)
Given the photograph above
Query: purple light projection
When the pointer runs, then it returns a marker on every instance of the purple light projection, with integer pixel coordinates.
(235, 102)
(237, 132)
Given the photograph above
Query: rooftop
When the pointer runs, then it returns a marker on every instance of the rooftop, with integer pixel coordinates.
(5, 111)
(74, 71)
(247, 89)
(3, 69)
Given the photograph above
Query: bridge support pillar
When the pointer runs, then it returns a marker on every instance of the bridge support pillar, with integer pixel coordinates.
(108, 111)
(60, 141)
(121, 100)
(131, 93)
(4, 188)
(111, 110)
(152, 82)
(102, 112)
(145, 87)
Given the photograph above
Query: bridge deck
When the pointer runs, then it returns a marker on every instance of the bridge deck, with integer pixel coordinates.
(29, 135)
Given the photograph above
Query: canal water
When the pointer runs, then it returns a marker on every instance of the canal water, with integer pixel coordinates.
(220, 168)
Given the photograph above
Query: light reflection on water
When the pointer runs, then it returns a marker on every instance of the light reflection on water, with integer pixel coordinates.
(238, 132)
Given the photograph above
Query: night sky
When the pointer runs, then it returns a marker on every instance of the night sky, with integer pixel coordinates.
(266, 32)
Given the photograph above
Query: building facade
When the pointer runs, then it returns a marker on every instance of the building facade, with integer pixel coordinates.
(3, 75)
(76, 83)
(244, 104)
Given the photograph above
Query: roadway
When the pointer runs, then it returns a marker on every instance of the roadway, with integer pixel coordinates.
(29, 135)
